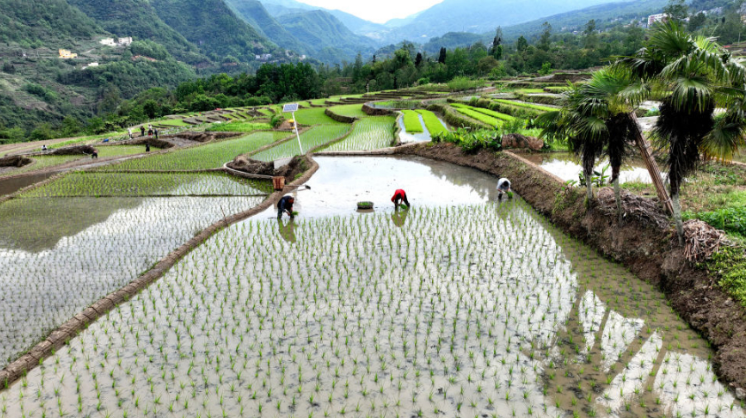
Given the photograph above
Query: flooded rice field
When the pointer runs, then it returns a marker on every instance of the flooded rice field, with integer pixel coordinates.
(465, 308)
(567, 166)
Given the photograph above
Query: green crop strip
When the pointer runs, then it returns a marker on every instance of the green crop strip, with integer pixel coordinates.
(313, 116)
(432, 123)
(489, 120)
(412, 122)
(239, 127)
(526, 105)
(487, 112)
(352, 111)
(203, 157)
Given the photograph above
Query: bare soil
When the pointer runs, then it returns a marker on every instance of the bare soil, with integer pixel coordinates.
(643, 242)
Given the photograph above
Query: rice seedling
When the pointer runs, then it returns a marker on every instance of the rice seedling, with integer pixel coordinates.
(368, 134)
(433, 124)
(526, 105)
(239, 126)
(313, 116)
(94, 184)
(353, 111)
(212, 155)
(412, 122)
(488, 120)
(487, 112)
(312, 138)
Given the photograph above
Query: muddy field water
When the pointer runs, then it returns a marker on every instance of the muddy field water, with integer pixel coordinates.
(477, 309)
(59, 255)
(567, 167)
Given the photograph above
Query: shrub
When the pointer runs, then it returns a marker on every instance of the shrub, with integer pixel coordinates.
(276, 121)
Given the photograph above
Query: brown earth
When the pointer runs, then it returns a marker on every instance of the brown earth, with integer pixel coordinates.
(15, 161)
(522, 141)
(644, 242)
(297, 166)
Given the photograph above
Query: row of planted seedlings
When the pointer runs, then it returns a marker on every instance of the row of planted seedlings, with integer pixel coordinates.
(71, 241)
(360, 316)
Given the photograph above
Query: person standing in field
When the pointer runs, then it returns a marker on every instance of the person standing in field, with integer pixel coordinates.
(129, 131)
(503, 186)
(155, 131)
(142, 130)
(399, 197)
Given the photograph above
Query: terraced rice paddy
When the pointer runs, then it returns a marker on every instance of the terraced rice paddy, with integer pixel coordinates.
(433, 124)
(481, 117)
(240, 126)
(310, 139)
(419, 125)
(379, 315)
(43, 162)
(412, 122)
(492, 113)
(95, 184)
(526, 105)
(353, 111)
(203, 157)
(60, 255)
(313, 116)
(368, 134)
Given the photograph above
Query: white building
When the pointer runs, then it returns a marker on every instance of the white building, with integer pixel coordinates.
(125, 41)
(660, 17)
(108, 42)
(91, 65)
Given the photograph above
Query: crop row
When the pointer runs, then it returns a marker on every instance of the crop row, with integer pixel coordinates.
(93, 184)
(369, 134)
(492, 113)
(316, 136)
(239, 126)
(312, 116)
(526, 105)
(488, 120)
(212, 155)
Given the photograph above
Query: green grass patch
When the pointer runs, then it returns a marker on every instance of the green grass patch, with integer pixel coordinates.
(203, 157)
(730, 263)
(310, 139)
(120, 150)
(432, 123)
(369, 134)
(412, 122)
(239, 127)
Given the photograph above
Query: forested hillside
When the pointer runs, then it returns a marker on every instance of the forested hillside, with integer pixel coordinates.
(50, 23)
(320, 30)
(254, 13)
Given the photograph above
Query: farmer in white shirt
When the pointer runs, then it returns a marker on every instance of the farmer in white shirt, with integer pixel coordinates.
(503, 186)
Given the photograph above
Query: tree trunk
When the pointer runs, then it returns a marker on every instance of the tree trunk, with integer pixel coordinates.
(618, 196)
(652, 166)
(589, 184)
(677, 217)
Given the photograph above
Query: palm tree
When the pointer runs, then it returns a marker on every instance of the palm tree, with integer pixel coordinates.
(577, 122)
(691, 75)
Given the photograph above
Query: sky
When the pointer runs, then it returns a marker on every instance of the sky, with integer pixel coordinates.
(379, 11)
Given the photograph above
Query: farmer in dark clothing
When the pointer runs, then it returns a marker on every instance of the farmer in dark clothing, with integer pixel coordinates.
(155, 131)
(503, 186)
(142, 130)
(399, 197)
(147, 147)
(285, 205)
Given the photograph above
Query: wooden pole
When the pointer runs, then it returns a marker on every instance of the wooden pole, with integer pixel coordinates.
(652, 166)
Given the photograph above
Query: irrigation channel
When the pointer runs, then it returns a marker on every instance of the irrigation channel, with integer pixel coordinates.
(567, 166)
(460, 306)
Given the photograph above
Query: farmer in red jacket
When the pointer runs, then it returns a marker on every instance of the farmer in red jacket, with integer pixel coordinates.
(399, 197)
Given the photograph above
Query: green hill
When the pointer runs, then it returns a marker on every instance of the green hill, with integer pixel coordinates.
(326, 34)
(138, 18)
(214, 28)
(50, 23)
(255, 14)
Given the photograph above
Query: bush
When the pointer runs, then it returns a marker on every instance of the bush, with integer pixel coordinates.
(472, 141)
(460, 84)
(276, 121)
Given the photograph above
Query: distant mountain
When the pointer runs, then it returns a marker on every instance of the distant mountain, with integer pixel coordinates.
(476, 16)
(453, 40)
(213, 27)
(254, 13)
(138, 18)
(355, 24)
(323, 32)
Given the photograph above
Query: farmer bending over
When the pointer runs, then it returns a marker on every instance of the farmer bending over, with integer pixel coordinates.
(399, 197)
(503, 186)
(285, 205)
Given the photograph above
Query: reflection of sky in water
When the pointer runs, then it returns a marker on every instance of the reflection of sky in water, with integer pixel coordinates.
(567, 167)
(341, 182)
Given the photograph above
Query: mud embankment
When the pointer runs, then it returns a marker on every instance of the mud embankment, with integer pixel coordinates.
(642, 243)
